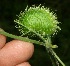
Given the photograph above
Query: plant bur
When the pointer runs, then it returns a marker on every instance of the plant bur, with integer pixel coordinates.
(41, 22)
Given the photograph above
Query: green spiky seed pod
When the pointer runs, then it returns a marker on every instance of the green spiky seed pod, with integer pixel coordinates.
(38, 20)
(41, 22)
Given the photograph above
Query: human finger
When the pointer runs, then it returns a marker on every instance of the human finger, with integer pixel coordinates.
(2, 41)
(15, 52)
(24, 64)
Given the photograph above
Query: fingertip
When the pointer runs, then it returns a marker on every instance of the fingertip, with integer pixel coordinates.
(16, 52)
(2, 41)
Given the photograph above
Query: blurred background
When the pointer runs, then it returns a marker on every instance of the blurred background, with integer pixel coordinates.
(10, 8)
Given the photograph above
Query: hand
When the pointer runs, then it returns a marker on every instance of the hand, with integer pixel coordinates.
(15, 52)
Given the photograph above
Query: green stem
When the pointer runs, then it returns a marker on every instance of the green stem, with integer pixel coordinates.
(49, 48)
(53, 60)
(57, 57)
(20, 38)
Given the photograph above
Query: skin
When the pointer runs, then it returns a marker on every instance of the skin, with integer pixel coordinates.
(15, 52)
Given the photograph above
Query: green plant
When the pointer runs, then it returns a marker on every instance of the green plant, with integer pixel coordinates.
(41, 22)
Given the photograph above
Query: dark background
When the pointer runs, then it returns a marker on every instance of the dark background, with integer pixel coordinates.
(10, 8)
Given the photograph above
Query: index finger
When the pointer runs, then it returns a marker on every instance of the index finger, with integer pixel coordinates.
(16, 52)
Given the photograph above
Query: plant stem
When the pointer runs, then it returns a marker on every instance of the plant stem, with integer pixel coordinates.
(49, 49)
(20, 38)
(57, 57)
(53, 60)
